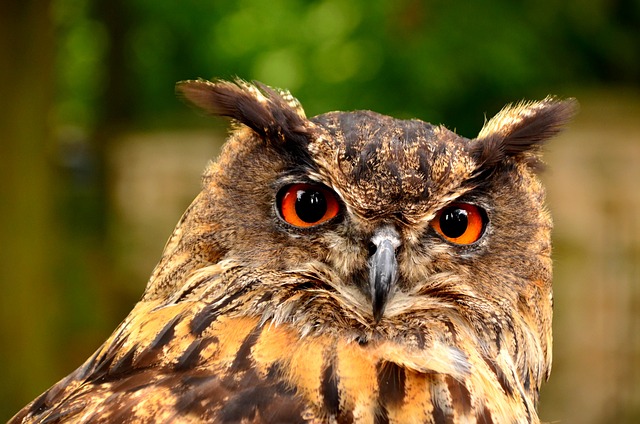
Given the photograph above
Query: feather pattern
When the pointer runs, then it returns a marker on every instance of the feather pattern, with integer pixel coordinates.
(247, 319)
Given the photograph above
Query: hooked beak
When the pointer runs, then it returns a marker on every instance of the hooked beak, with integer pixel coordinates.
(383, 267)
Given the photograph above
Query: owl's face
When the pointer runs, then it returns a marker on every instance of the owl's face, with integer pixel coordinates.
(401, 221)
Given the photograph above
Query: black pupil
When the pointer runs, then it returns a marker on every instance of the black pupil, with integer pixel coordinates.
(310, 205)
(454, 222)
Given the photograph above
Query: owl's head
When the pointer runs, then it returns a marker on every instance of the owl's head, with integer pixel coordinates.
(371, 225)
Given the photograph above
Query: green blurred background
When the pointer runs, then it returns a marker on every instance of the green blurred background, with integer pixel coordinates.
(98, 159)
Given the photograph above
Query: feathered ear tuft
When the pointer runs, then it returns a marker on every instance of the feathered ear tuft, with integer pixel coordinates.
(273, 114)
(520, 130)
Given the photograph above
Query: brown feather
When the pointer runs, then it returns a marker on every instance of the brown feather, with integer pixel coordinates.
(249, 319)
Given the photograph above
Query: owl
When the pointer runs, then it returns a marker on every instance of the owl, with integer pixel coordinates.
(346, 268)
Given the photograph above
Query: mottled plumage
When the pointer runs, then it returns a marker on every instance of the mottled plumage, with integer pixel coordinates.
(373, 303)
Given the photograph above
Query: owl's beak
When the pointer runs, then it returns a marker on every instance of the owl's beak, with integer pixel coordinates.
(383, 268)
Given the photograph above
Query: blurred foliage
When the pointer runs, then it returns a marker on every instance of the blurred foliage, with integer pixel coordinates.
(439, 60)
(115, 65)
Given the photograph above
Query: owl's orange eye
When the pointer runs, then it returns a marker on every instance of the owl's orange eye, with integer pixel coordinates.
(460, 223)
(307, 205)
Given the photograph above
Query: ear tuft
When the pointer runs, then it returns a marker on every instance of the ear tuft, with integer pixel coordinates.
(520, 130)
(273, 114)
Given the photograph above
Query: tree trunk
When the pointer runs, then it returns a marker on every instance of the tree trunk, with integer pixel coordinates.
(27, 227)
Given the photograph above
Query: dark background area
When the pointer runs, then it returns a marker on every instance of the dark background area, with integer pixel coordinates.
(98, 158)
